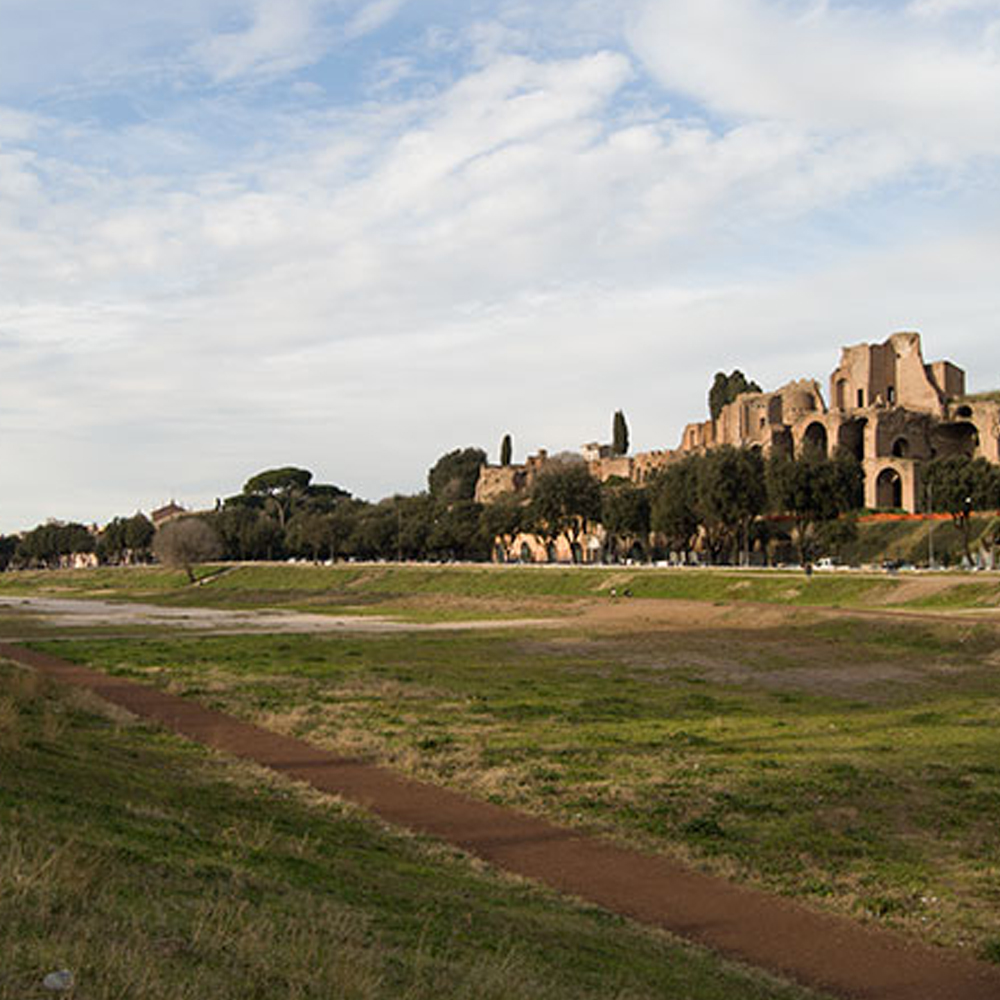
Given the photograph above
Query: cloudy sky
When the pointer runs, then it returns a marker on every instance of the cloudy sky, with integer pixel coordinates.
(355, 234)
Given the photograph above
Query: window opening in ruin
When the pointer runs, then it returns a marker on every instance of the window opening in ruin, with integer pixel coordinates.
(889, 490)
(965, 411)
(861, 397)
(852, 438)
(890, 394)
(526, 553)
(841, 393)
(900, 448)
(550, 552)
(815, 439)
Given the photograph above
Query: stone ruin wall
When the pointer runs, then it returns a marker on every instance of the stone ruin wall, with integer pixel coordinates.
(887, 407)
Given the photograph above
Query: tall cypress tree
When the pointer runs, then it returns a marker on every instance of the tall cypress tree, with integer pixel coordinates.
(506, 450)
(619, 434)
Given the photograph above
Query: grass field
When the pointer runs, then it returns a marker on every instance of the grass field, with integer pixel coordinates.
(152, 869)
(851, 762)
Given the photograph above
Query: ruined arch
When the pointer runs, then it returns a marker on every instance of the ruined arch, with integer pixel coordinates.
(526, 554)
(851, 438)
(956, 439)
(815, 439)
(889, 489)
(900, 448)
(550, 552)
(781, 442)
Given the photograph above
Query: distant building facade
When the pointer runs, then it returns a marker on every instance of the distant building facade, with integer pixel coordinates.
(888, 408)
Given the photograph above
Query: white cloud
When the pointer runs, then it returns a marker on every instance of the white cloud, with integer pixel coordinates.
(373, 15)
(282, 35)
(829, 69)
(522, 237)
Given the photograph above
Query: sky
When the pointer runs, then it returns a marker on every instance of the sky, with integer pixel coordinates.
(353, 235)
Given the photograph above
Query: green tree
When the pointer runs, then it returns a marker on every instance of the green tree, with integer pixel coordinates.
(625, 514)
(729, 495)
(49, 544)
(8, 546)
(564, 500)
(454, 475)
(279, 489)
(960, 485)
(619, 434)
(725, 388)
(139, 534)
(672, 509)
(813, 490)
(506, 450)
(308, 534)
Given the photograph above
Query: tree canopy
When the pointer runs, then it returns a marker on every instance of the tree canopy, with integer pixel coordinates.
(454, 475)
(619, 434)
(725, 388)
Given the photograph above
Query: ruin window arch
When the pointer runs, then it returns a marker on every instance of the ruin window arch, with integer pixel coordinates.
(900, 448)
(815, 439)
(964, 411)
(526, 552)
(890, 395)
(851, 438)
(550, 552)
(889, 489)
(861, 398)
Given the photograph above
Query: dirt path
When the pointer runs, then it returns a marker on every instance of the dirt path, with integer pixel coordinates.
(822, 951)
(75, 612)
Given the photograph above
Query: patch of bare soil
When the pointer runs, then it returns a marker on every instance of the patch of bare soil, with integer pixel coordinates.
(912, 589)
(830, 953)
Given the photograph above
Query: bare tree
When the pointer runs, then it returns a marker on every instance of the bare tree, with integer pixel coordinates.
(186, 542)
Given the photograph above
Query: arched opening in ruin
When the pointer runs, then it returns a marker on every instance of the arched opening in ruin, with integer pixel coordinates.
(550, 552)
(900, 448)
(851, 438)
(815, 439)
(840, 394)
(781, 442)
(499, 553)
(955, 440)
(964, 411)
(889, 489)
(526, 555)
(576, 553)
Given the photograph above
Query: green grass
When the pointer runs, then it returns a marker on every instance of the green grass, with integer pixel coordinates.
(153, 869)
(851, 762)
(453, 593)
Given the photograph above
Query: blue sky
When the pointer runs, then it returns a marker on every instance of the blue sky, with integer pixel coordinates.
(355, 234)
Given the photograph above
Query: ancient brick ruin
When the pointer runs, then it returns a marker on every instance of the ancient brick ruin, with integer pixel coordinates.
(887, 407)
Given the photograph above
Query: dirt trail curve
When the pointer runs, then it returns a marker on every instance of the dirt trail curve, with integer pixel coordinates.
(825, 952)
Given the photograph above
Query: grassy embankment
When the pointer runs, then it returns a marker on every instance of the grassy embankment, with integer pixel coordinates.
(854, 763)
(156, 871)
(438, 593)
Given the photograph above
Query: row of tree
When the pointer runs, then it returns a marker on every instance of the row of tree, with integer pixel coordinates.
(725, 504)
